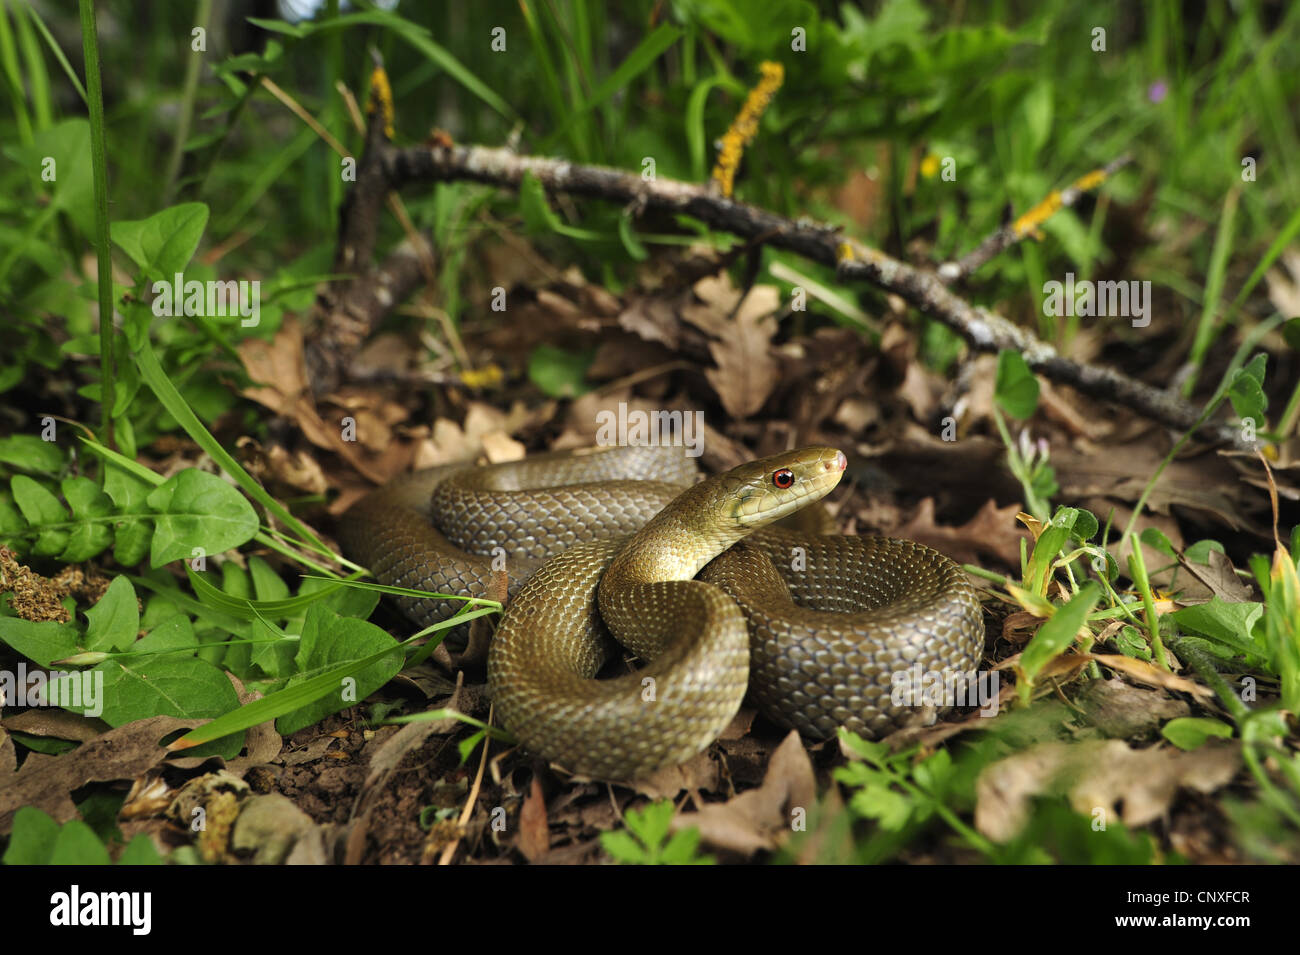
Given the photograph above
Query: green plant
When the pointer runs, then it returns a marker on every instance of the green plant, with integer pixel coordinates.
(646, 840)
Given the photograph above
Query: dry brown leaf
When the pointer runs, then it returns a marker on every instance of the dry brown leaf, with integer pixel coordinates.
(992, 531)
(1219, 577)
(1018, 627)
(1097, 776)
(1206, 484)
(745, 371)
(47, 782)
(653, 319)
(60, 724)
(534, 832)
(760, 818)
(1152, 675)
(280, 375)
(1121, 711)
(698, 774)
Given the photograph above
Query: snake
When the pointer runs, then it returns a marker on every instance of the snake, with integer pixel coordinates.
(622, 550)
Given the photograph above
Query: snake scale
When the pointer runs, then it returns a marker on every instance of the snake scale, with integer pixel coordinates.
(612, 540)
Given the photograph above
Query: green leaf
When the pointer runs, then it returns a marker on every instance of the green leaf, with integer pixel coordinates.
(1055, 636)
(33, 837)
(558, 373)
(198, 511)
(163, 244)
(1190, 732)
(77, 844)
(623, 847)
(1231, 624)
(330, 642)
(878, 801)
(651, 824)
(115, 619)
(31, 453)
(1291, 330)
(1199, 553)
(1246, 392)
(89, 504)
(40, 507)
(1155, 538)
(42, 641)
(1016, 389)
(140, 851)
(138, 687)
(67, 144)
(128, 492)
(1085, 525)
(1036, 116)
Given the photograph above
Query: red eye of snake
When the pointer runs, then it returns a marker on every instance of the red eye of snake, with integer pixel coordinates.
(783, 478)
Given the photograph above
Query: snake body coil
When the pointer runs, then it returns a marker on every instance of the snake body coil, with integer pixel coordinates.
(818, 628)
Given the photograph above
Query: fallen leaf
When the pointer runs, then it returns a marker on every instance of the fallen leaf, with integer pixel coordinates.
(534, 832)
(1122, 711)
(1096, 777)
(47, 782)
(992, 531)
(760, 819)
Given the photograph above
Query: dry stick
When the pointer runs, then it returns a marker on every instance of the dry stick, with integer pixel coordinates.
(984, 330)
(1027, 224)
(468, 810)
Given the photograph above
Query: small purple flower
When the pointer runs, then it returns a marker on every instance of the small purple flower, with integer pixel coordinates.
(1157, 91)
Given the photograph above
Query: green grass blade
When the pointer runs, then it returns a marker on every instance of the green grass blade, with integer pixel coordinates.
(1205, 330)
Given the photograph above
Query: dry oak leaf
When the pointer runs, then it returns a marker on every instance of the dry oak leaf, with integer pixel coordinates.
(47, 782)
(742, 349)
(760, 818)
(1097, 776)
(280, 373)
(993, 532)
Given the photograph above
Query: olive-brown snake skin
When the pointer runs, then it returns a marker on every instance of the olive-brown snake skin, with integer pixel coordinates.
(818, 628)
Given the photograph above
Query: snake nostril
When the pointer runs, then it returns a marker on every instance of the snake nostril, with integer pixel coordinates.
(839, 464)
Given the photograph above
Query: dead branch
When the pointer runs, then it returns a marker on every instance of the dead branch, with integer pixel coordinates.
(924, 289)
(1027, 224)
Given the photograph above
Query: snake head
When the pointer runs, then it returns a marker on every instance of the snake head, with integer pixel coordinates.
(759, 492)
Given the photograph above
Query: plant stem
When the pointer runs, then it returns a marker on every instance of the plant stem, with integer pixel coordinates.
(99, 165)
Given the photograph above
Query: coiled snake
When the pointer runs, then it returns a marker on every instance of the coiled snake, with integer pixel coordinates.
(819, 628)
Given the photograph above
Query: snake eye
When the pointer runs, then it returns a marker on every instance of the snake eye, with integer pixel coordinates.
(783, 478)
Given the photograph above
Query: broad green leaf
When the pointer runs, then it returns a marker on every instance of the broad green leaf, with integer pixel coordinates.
(1231, 624)
(1246, 392)
(115, 619)
(128, 492)
(33, 837)
(197, 510)
(77, 844)
(1016, 389)
(89, 505)
(163, 244)
(137, 687)
(1155, 538)
(41, 508)
(329, 642)
(31, 453)
(42, 641)
(1189, 732)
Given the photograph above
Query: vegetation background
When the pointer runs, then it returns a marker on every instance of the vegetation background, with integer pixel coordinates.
(201, 106)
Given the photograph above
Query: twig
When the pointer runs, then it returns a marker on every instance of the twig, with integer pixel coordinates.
(984, 330)
(1027, 224)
